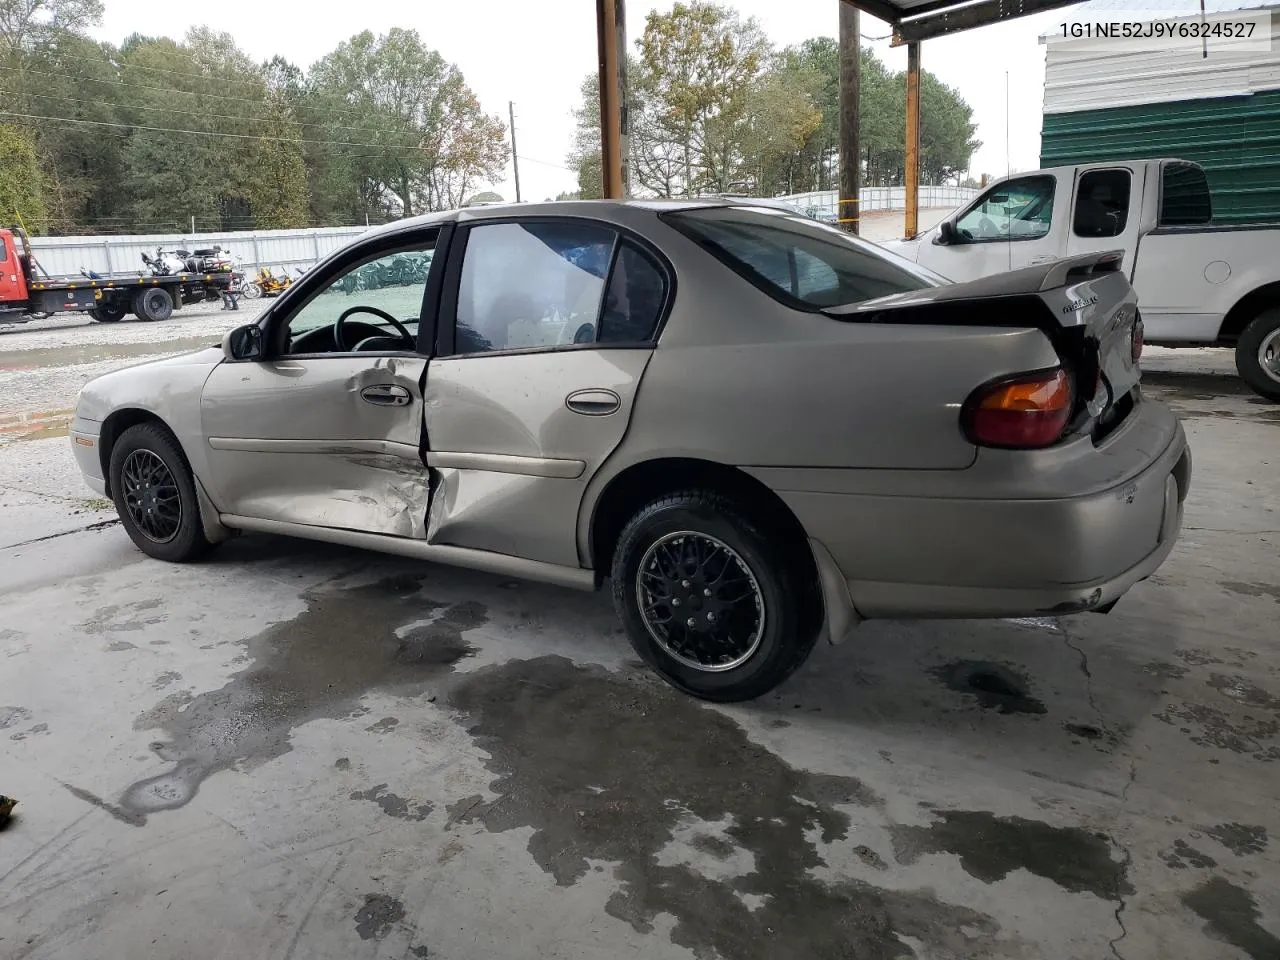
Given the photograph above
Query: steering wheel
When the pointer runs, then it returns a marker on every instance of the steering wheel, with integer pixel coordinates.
(401, 329)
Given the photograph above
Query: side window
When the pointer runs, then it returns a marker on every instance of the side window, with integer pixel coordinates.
(1014, 210)
(392, 283)
(1184, 196)
(633, 302)
(528, 285)
(1102, 204)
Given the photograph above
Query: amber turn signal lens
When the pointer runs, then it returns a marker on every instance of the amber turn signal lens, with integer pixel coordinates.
(1020, 413)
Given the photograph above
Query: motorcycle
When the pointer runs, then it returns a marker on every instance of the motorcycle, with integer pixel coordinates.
(265, 284)
(164, 264)
(206, 260)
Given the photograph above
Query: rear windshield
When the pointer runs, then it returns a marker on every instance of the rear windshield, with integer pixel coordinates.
(798, 261)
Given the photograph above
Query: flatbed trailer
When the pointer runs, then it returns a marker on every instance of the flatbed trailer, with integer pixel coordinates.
(25, 296)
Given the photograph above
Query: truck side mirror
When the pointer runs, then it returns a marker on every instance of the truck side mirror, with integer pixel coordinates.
(244, 343)
(947, 233)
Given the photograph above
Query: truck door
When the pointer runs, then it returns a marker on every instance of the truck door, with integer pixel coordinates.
(13, 285)
(1104, 215)
(1016, 223)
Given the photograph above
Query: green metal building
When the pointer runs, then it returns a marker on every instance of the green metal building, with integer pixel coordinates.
(1221, 110)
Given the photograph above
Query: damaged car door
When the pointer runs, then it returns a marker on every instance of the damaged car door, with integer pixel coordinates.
(325, 429)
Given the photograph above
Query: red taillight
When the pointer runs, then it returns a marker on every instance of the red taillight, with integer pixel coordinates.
(1023, 413)
(1135, 341)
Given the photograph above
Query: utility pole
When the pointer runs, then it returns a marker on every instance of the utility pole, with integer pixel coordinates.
(515, 160)
(611, 34)
(850, 83)
(913, 141)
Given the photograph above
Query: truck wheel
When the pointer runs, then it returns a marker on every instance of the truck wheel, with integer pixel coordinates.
(155, 494)
(108, 313)
(716, 606)
(1258, 354)
(153, 304)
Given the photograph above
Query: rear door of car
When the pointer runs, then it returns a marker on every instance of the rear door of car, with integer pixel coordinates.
(546, 326)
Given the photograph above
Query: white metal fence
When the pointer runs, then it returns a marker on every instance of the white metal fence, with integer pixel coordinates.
(122, 255)
(286, 249)
(881, 198)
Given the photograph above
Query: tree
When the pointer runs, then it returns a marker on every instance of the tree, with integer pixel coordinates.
(21, 187)
(278, 190)
(698, 65)
(415, 129)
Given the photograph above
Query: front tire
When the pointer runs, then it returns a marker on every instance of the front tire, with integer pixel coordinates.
(1258, 354)
(155, 494)
(108, 313)
(251, 290)
(713, 603)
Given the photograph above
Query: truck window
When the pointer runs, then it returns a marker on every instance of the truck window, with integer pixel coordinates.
(1014, 210)
(1184, 195)
(1102, 204)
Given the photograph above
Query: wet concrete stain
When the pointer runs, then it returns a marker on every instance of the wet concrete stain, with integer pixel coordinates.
(108, 619)
(1253, 589)
(1197, 658)
(1166, 671)
(1245, 735)
(38, 730)
(420, 951)
(347, 642)
(120, 646)
(995, 686)
(121, 814)
(394, 806)
(1184, 855)
(378, 915)
(607, 769)
(165, 679)
(1231, 915)
(342, 763)
(1242, 839)
(1241, 691)
(385, 725)
(12, 716)
(991, 847)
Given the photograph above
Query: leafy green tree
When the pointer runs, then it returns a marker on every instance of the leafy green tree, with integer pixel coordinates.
(21, 186)
(278, 190)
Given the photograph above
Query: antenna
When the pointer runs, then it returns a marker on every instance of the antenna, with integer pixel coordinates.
(1008, 164)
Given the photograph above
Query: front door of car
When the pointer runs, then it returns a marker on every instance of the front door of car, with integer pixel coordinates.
(546, 326)
(326, 430)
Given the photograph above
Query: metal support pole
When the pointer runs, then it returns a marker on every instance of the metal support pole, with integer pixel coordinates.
(847, 209)
(912, 172)
(515, 159)
(610, 25)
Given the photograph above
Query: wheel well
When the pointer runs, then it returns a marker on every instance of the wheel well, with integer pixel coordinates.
(115, 424)
(645, 482)
(1244, 312)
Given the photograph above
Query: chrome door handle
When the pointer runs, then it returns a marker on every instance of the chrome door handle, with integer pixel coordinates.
(593, 403)
(1044, 259)
(386, 395)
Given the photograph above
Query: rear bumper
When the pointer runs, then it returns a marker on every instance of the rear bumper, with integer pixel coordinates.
(950, 557)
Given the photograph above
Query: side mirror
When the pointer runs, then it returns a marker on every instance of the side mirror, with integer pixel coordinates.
(244, 343)
(947, 233)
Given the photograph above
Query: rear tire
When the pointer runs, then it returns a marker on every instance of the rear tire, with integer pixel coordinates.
(108, 313)
(1258, 354)
(697, 556)
(153, 304)
(155, 494)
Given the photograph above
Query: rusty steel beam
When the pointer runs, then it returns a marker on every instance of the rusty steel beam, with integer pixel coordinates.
(610, 28)
(880, 9)
(912, 172)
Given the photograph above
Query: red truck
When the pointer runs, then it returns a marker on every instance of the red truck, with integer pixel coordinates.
(24, 295)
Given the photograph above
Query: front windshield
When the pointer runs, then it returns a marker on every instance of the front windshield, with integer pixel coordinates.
(799, 261)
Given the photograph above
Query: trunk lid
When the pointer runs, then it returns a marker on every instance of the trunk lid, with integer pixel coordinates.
(1084, 304)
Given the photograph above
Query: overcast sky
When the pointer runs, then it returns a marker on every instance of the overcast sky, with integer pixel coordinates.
(536, 52)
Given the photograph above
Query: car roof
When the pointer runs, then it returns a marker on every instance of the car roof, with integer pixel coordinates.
(569, 208)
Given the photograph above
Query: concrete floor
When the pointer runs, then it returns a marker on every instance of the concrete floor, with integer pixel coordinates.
(296, 750)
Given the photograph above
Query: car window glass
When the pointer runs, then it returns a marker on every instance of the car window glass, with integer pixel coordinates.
(530, 285)
(798, 260)
(1184, 195)
(1016, 210)
(393, 283)
(633, 302)
(1102, 204)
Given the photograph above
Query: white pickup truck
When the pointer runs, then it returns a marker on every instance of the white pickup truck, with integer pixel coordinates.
(1198, 283)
